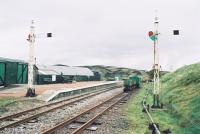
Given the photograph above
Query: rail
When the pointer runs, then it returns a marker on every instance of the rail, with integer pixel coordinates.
(87, 124)
(87, 95)
(70, 120)
(149, 115)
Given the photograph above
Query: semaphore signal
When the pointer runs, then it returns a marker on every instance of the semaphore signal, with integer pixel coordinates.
(156, 66)
(31, 62)
(154, 36)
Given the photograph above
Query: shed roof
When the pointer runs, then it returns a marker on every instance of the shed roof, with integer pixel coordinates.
(48, 72)
(11, 60)
(65, 70)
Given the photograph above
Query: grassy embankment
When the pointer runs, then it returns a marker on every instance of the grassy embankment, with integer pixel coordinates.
(180, 94)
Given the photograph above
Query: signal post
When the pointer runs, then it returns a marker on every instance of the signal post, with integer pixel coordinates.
(156, 66)
(31, 39)
(31, 62)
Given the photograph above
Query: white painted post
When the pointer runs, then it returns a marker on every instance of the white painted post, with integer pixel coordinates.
(31, 39)
(156, 67)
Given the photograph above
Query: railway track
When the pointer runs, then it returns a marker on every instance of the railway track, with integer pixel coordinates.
(89, 115)
(31, 114)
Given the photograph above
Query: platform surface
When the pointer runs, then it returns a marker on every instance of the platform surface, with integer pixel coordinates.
(50, 95)
(20, 90)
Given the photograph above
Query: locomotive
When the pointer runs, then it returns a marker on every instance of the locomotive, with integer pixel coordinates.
(133, 82)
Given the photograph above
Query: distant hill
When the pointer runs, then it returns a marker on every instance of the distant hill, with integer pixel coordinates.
(61, 65)
(110, 72)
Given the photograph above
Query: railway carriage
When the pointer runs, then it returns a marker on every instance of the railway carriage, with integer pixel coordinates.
(133, 82)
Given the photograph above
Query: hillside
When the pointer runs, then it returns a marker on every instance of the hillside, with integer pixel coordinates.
(181, 92)
(109, 72)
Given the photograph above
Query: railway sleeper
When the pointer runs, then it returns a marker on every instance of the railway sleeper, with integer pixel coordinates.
(97, 122)
(92, 127)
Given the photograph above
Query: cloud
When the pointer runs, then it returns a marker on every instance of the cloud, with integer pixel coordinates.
(109, 32)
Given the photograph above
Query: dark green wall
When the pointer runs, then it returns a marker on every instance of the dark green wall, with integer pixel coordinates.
(14, 73)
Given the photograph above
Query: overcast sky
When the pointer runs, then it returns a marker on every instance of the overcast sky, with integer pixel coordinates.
(101, 32)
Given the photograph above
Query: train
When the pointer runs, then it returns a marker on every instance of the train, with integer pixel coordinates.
(133, 82)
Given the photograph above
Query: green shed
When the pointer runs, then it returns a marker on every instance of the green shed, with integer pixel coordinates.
(13, 72)
(22, 73)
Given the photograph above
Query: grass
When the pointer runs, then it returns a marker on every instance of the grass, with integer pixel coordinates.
(4, 101)
(135, 115)
(182, 88)
(139, 120)
(180, 94)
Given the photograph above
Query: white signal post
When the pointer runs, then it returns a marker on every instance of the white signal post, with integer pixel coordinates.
(31, 40)
(31, 61)
(156, 67)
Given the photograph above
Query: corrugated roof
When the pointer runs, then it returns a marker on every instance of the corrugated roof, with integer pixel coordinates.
(11, 60)
(45, 70)
(65, 70)
(48, 72)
